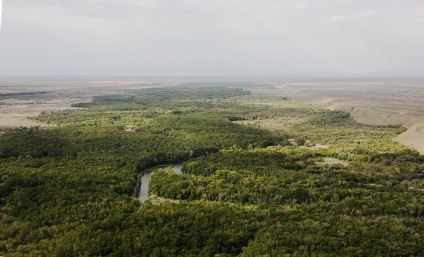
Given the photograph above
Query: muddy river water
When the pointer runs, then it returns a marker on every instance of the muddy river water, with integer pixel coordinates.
(145, 179)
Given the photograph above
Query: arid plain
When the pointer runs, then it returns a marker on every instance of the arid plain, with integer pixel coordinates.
(374, 101)
(24, 98)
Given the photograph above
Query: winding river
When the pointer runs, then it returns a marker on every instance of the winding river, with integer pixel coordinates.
(145, 179)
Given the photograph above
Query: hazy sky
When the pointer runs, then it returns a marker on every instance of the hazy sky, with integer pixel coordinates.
(210, 37)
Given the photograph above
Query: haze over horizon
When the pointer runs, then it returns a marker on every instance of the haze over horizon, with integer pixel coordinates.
(211, 37)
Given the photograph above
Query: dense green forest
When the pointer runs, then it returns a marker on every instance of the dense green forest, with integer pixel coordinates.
(262, 176)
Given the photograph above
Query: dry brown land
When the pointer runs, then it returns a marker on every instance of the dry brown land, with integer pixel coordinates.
(383, 101)
(24, 98)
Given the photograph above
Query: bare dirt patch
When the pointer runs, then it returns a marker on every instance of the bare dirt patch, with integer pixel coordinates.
(159, 200)
(413, 137)
(332, 161)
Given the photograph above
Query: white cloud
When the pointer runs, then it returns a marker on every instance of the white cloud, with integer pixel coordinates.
(213, 36)
(337, 18)
(1, 11)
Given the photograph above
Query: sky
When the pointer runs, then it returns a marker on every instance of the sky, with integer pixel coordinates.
(1, 4)
(211, 37)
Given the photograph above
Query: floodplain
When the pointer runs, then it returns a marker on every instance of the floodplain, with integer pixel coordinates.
(268, 168)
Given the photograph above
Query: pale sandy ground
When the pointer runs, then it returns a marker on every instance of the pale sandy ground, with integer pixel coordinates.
(16, 112)
(55, 94)
(370, 101)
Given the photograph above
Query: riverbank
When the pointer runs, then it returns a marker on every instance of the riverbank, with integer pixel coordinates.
(143, 180)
